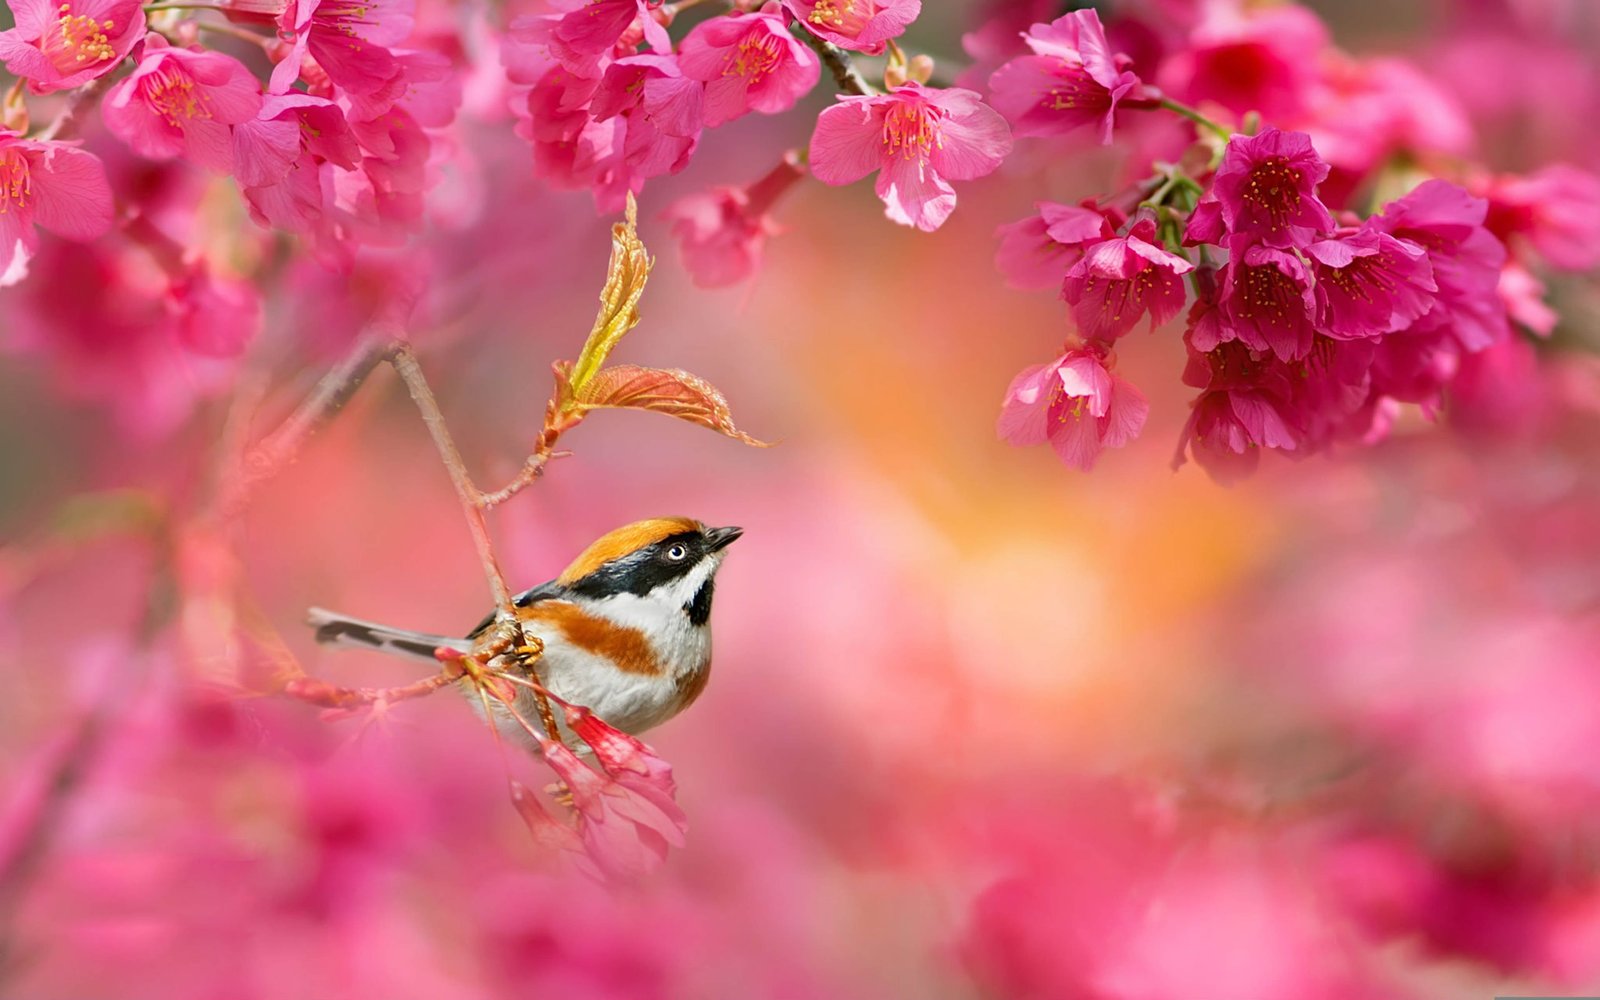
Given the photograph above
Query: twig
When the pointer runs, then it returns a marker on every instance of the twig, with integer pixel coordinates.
(280, 447)
(405, 363)
(845, 74)
(80, 99)
(1199, 119)
(346, 698)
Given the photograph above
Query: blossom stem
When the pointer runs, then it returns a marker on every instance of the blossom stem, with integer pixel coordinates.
(764, 193)
(81, 98)
(223, 29)
(674, 9)
(1196, 117)
(845, 74)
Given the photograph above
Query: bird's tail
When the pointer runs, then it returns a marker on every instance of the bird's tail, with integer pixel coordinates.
(352, 633)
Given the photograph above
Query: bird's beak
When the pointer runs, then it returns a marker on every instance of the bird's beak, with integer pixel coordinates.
(721, 538)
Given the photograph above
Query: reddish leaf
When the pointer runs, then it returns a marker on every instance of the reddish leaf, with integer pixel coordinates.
(663, 390)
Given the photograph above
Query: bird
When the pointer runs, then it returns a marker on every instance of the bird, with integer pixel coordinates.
(625, 628)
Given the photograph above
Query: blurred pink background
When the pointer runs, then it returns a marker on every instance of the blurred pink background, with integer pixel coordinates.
(978, 726)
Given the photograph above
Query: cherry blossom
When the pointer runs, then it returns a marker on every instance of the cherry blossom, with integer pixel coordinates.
(1117, 281)
(1076, 403)
(59, 46)
(54, 185)
(183, 103)
(859, 25)
(1070, 81)
(918, 139)
(748, 62)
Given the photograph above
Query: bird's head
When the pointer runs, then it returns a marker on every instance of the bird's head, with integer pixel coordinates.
(670, 561)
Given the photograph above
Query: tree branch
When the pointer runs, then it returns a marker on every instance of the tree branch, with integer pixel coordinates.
(845, 74)
(279, 448)
(472, 501)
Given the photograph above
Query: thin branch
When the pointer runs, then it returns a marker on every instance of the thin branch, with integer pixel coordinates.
(280, 447)
(1199, 119)
(346, 698)
(81, 99)
(405, 363)
(845, 74)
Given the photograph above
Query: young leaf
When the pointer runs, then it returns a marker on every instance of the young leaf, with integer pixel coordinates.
(619, 300)
(664, 390)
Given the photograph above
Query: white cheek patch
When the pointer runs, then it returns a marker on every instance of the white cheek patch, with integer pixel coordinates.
(681, 645)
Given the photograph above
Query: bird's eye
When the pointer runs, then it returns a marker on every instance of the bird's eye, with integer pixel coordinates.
(678, 553)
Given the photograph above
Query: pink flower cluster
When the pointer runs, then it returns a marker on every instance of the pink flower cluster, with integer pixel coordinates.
(335, 148)
(603, 117)
(1310, 326)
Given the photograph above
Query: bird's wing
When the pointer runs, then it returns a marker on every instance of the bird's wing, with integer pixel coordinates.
(543, 592)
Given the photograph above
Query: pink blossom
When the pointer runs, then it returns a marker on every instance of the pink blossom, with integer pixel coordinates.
(214, 314)
(1266, 60)
(1523, 295)
(1267, 303)
(1070, 81)
(1369, 283)
(60, 46)
(596, 27)
(1037, 252)
(381, 202)
(1076, 403)
(748, 62)
(661, 111)
(858, 25)
(180, 102)
(569, 146)
(120, 348)
(625, 832)
(918, 138)
(1372, 109)
(1241, 411)
(285, 161)
(349, 39)
(1266, 188)
(1466, 259)
(1556, 210)
(1118, 280)
(722, 232)
(52, 184)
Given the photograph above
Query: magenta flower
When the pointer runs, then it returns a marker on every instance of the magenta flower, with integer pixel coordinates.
(581, 37)
(722, 232)
(1557, 210)
(285, 160)
(1266, 188)
(1118, 280)
(1267, 304)
(662, 111)
(918, 138)
(627, 820)
(349, 39)
(59, 46)
(1267, 60)
(1241, 411)
(52, 184)
(1070, 81)
(858, 25)
(1466, 259)
(1076, 403)
(182, 103)
(214, 315)
(1037, 252)
(748, 62)
(1369, 283)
